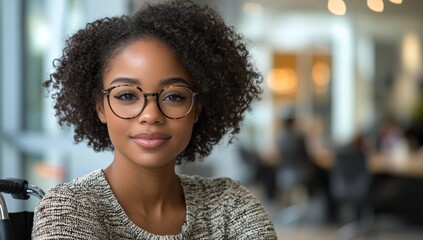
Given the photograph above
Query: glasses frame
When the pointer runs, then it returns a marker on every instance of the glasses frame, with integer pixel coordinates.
(108, 90)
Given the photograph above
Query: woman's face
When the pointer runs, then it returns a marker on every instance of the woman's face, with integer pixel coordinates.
(149, 140)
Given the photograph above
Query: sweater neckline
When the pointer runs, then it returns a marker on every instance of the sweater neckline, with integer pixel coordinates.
(190, 207)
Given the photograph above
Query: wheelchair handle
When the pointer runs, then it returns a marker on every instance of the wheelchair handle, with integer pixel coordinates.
(16, 187)
(20, 189)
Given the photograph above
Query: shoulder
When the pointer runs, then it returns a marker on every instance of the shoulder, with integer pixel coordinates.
(199, 181)
(70, 210)
(76, 194)
(218, 192)
(233, 204)
(213, 187)
(88, 184)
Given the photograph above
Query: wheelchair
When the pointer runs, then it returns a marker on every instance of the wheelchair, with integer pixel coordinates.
(17, 226)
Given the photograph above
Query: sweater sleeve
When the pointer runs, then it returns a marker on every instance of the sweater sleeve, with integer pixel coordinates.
(247, 217)
(63, 214)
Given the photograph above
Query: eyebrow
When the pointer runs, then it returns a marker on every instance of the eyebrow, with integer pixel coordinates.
(163, 83)
(173, 80)
(125, 80)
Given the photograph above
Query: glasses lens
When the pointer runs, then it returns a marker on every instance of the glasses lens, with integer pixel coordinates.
(176, 101)
(126, 101)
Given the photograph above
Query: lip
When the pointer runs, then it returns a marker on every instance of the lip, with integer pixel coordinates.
(150, 140)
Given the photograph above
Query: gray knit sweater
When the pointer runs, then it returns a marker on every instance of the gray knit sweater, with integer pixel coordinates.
(86, 208)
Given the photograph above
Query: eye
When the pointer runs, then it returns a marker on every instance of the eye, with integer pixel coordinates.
(173, 97)
(126, 96)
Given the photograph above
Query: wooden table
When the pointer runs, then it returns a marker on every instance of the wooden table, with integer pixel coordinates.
(408, 165)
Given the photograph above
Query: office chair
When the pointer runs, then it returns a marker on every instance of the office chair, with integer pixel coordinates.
(350, 184)
(296, 173)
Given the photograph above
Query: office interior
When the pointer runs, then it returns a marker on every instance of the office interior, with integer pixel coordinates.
(347, 71)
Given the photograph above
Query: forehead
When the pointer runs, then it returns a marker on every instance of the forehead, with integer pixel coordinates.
(146, 60)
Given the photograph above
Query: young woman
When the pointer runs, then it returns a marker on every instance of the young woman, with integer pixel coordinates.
(157, 88)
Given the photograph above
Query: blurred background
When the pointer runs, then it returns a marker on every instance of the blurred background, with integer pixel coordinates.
(334, 148)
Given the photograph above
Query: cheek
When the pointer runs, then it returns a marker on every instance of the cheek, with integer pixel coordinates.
(116, 126)
(183, 129)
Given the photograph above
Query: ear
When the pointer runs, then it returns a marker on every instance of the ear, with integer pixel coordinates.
(100, 111)
(198, 109)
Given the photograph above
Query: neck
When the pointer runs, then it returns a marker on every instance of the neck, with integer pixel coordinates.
(144, 190)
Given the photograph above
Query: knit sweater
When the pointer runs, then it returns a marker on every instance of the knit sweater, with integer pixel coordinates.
(216, 208)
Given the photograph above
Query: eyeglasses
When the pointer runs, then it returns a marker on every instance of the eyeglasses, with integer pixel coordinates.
(128, 101)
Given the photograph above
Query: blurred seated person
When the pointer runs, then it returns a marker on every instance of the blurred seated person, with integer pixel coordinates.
(263, 172)
(350, 180)
(296, 164)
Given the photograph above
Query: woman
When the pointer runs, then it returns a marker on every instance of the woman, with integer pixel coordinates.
(157, 88)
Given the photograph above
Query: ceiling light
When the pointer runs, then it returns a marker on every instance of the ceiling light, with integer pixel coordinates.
(375, 5)
(337, 7)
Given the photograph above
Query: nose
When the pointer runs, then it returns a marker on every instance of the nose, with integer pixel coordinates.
(151, 113)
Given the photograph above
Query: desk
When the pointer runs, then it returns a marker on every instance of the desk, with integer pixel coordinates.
(396, 182)
(409, 165)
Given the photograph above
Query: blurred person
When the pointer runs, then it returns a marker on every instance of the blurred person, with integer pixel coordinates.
(392, 141)
(263, 172)
(350, 180)
(158, 88)
(296, 164)
(390, 135)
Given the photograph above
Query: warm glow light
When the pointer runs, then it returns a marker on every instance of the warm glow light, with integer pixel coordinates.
(48, 171)
(320, 74)
(375, 5)
(411, 52)
(282, 80)
(337, 7)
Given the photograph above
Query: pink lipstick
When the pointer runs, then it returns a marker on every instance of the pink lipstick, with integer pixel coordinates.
(150, 140)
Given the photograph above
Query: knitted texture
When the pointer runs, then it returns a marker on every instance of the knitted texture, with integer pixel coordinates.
(216, 208)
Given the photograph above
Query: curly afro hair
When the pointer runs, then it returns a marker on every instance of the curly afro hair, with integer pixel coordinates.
(215, 56)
